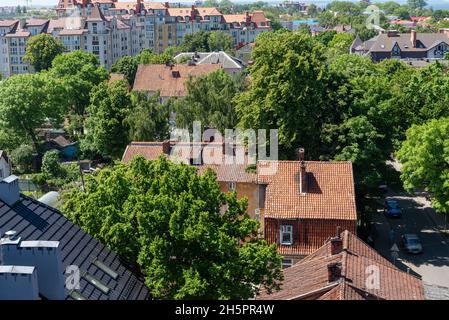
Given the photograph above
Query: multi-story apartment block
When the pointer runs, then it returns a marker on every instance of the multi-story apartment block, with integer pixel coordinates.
(111, 29)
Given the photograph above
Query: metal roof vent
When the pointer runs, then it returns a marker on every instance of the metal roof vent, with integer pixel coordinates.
(11, 234)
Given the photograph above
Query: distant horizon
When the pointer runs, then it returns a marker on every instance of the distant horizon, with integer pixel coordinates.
(436, 4)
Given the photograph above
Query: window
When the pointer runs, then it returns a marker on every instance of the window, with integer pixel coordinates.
(232, 186)
(287, 263)
(287, 234)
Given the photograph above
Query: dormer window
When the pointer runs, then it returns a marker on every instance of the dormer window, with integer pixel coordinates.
(396, 51)
(286, 234)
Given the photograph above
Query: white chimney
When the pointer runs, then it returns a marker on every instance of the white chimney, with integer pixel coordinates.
(45, 256)
(9, 190)
(18, 283)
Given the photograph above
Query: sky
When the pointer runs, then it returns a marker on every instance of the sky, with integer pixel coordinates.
(436, 4)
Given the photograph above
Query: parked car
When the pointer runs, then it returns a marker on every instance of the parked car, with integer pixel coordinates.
(411, 243)
(392, 209)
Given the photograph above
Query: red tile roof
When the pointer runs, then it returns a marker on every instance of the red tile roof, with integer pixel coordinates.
(329, 193)
(232, 172)
(7, 23)
(309, 278)
(169, 81)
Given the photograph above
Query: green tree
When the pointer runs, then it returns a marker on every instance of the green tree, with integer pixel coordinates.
(79, 72)
(147, 56)
(416, 4)
(22, 157)
(29, 100)
(107, 131)
(210, 100)
(127, 66)
(219, 41)
(167, 218)
(341, 43)
(50, 164)
(148, 120)
(289, 91)
(197, 41)
(41, 50)
(326, 36)
(423, 156)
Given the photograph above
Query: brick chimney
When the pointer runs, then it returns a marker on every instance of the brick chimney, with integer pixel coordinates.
(166, 146)
(167, 5)
(247, 18)
(302, 172)
(334, 271)
(336, 243)
(413, 38)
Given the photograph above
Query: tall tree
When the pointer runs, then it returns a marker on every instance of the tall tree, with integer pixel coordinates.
(416, 4)
(219, 41)
(210, 100)
(148, 120)
(27, 101)
(424, 157)
(167, 218)
(127, 66)
(107, 131)
(290, 91)
(41, 50)
(79, 72)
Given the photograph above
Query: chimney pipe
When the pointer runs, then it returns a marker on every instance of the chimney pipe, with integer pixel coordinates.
(302, 172)
(9, 190)
(413, 38)
(333, 271)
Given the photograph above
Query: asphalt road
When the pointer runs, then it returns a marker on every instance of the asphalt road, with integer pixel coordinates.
(419, 218)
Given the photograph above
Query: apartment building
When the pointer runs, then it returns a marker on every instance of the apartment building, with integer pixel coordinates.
(111, 29)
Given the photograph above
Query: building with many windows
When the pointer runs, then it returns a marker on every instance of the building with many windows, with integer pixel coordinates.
(111, 29)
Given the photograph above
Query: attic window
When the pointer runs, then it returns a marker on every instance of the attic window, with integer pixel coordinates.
(287, 234)
(176, 74)
(96, 283)
(106, 269)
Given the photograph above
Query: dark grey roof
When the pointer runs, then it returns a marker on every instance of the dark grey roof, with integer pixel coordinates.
(384, 43)
(35, 221)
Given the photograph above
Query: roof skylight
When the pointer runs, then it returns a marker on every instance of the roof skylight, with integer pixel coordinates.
(106, 269)
(96, 283)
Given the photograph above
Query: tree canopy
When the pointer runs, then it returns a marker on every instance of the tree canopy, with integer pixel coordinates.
(423, 156)
(167, 219)
(41, 50)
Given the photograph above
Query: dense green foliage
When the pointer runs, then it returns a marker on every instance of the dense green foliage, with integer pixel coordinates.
(50, 164)
(41, 51)
(210, 100)
(107, 132)
(206, 42)
(167, 219)
(127, 66)
(424, 156)
(78, 72)
(29, 100)
(22, 157)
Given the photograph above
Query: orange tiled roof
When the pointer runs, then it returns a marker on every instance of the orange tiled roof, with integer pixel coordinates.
(329, 195)
(159, 77)
(309, 279)
(232, 172)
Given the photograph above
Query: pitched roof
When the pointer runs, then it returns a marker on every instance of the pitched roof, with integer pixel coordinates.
(385, 43)
(221, 58)
(170, 81)
(36, 22)
(35, 221)
(96, 14)
(8, 23)
(329, 194)
(309, 278)
(226, 172)
(4, 155)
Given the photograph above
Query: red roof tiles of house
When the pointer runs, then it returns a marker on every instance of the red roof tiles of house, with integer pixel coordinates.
(329, 191)
(170, 81)
(339, 270)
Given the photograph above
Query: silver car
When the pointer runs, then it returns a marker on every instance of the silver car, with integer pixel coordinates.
(411, 243)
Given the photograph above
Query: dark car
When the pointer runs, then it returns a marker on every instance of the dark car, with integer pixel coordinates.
(411, 243)
(392, 209)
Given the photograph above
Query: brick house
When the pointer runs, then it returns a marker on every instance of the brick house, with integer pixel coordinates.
(305, 202)
(340, 270)
(299, 206)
